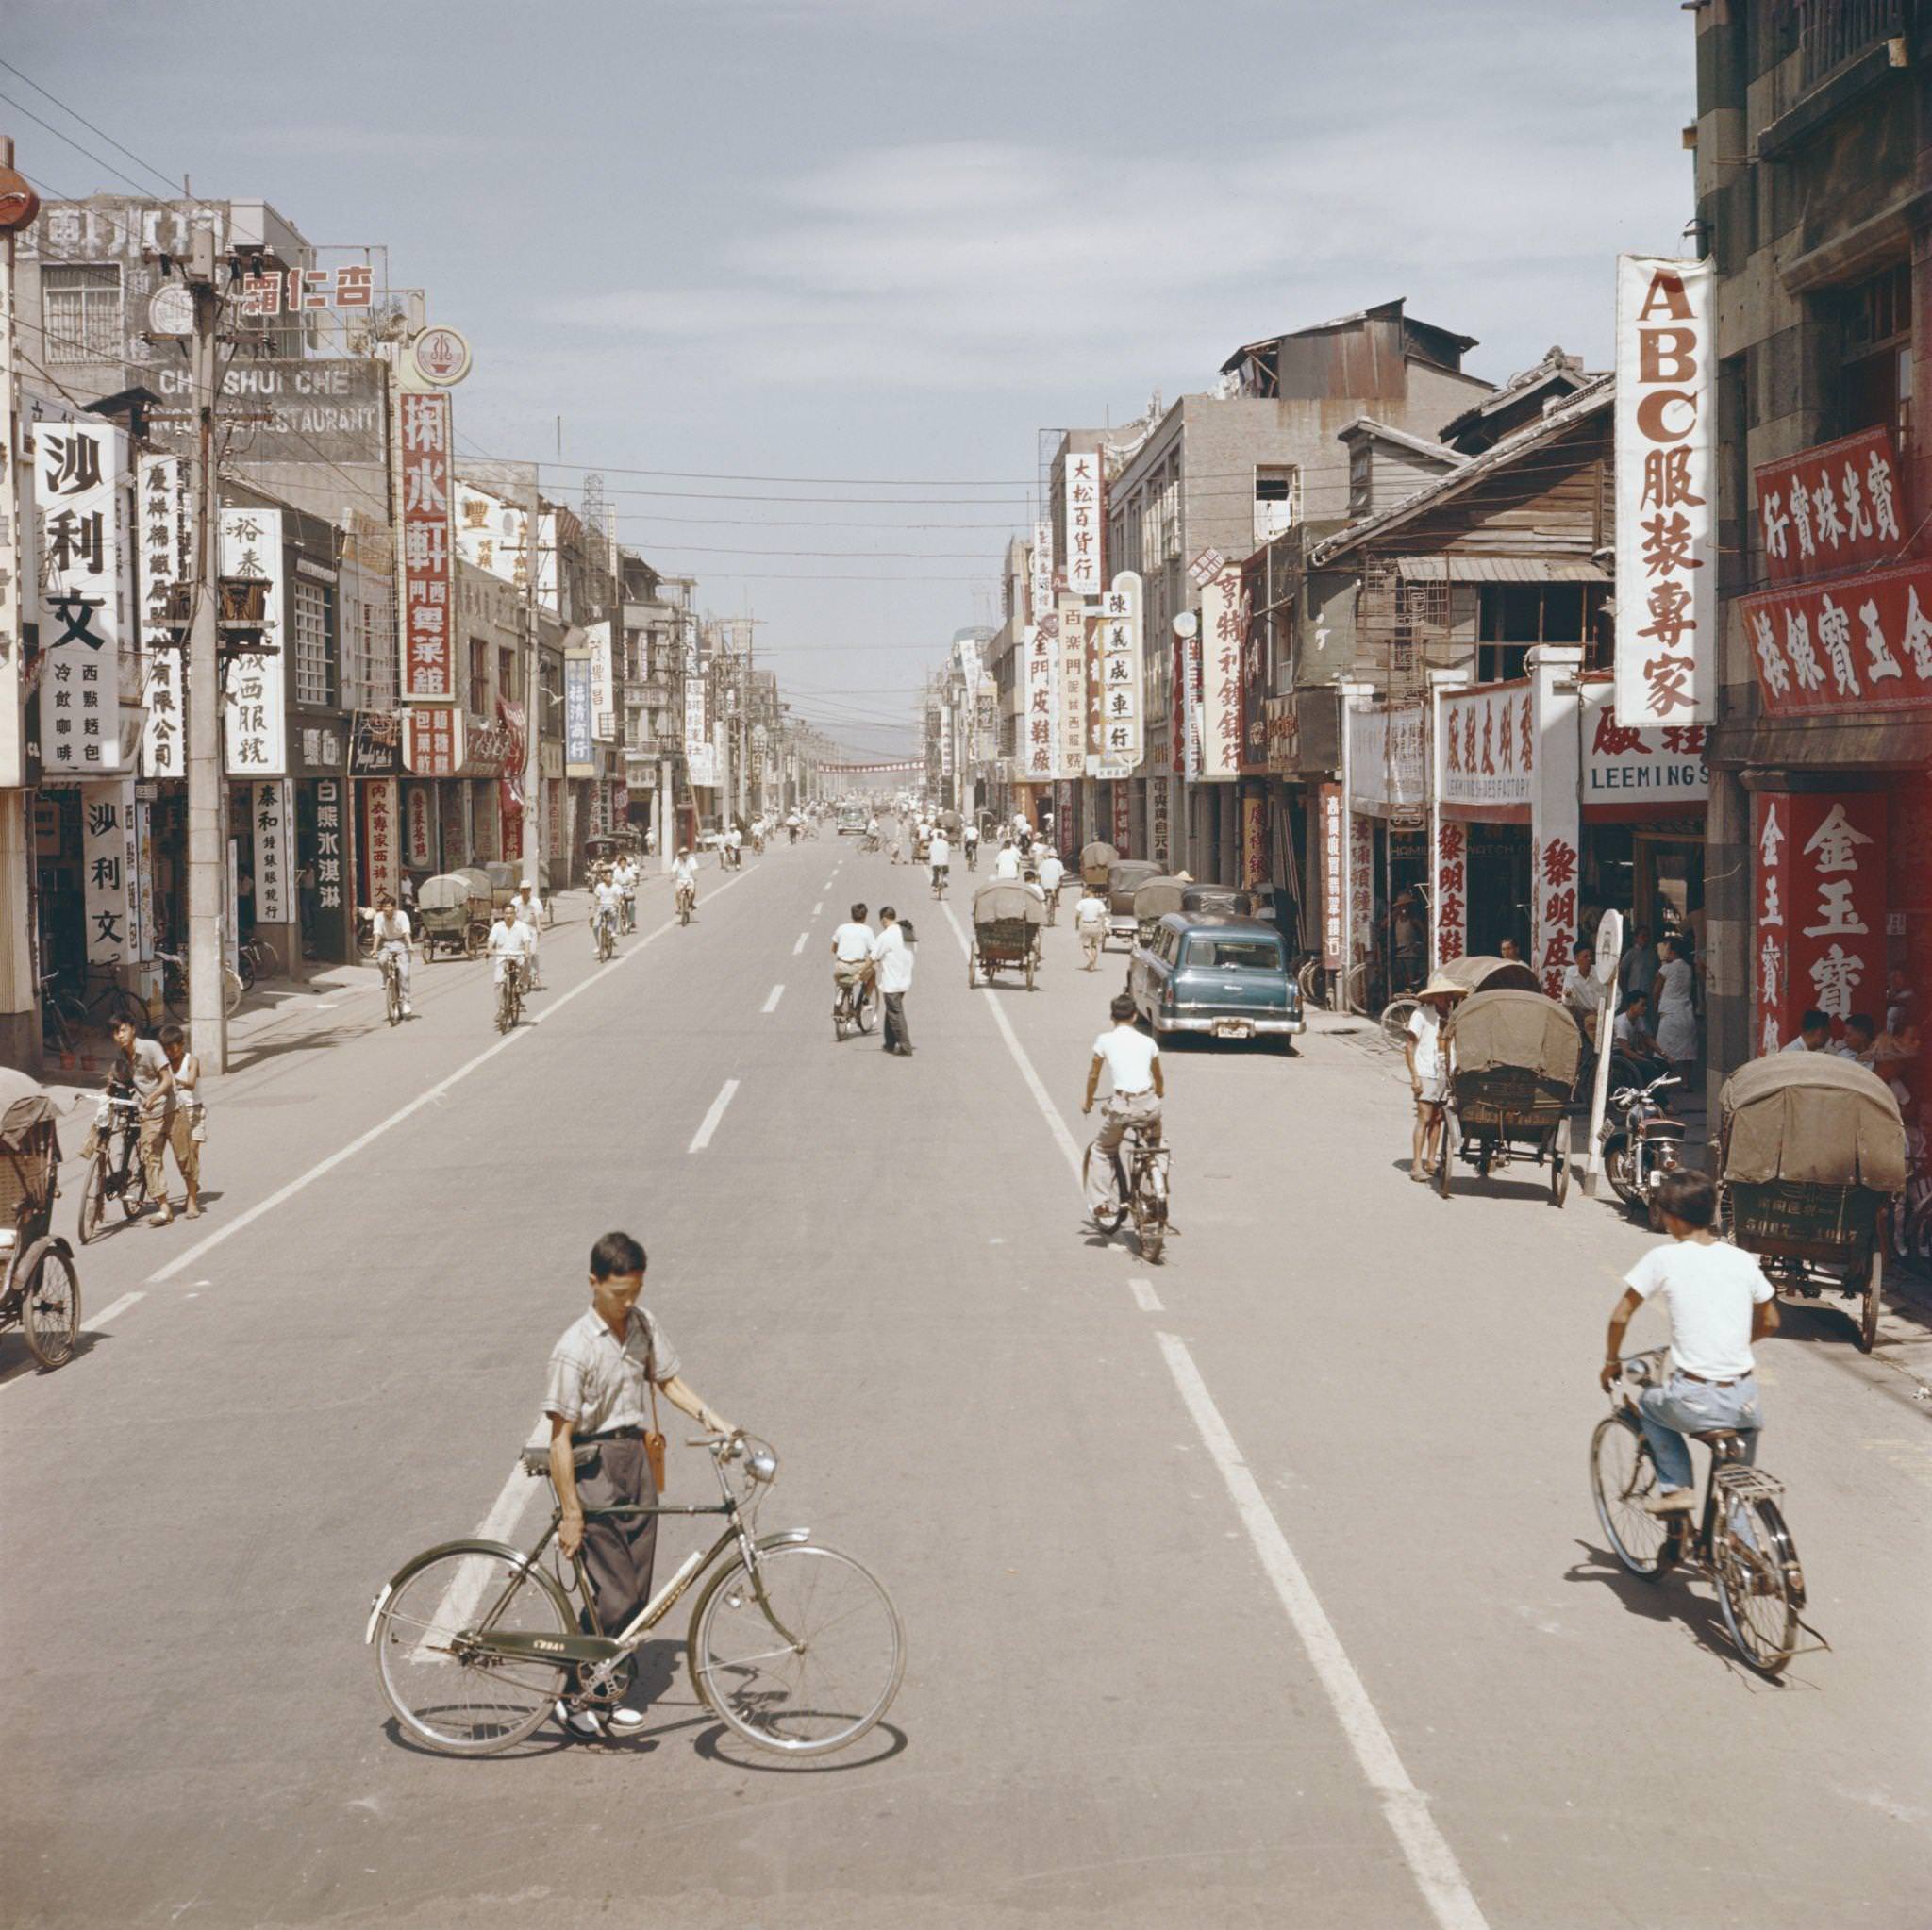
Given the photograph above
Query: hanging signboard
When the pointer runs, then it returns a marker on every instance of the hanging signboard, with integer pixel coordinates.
(1649, 771)
(428, 651)
(376, 743)
(163, 506)
(419, 821)
(433, 741)
(255, 726)
(271, 805)
(1041, 730)
(579, 754)
(379, 835)
(1041, 585)
(108, 872)
(1488, 753)
(1081, 507)
(1862, 642)
(1555, 829)
(1666, 440)
(602, 682)
(1074, 709)
(80, 480)
(329, 854)
(1117, 635)
(1830, 510)
(1223, 633)
(1332, 888)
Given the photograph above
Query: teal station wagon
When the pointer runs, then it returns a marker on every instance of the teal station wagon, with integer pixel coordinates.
(1210, 973)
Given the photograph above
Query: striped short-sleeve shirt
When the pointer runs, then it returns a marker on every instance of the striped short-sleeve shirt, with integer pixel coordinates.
(597, 1384)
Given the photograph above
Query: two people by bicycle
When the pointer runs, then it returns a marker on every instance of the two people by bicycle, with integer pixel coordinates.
(529, 910)
(394, 939)
(626, 877)
(1131, 1061)
(152, 1081)
(599, 1399)
(1719, 1302)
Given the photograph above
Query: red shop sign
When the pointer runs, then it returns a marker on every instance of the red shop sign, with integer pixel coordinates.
(1833, 508)
(1855, 643)
(434, 746)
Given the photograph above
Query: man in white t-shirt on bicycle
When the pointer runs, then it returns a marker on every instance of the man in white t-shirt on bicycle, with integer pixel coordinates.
(395, 936)
(853, 945)
(1132, 1061)
(606, 906)
(1719, 1302)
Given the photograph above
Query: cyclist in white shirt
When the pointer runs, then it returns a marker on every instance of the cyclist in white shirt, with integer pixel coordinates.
(606, 901)
(940, 855)
(509, 946)
(1006, 865)
(734, 840)
(529, 910)
(625, 878)
(396, 935)
(1051, 872)
(969, 838)
(1719, 1302)
(852, 952)
(684, 877)
(1132, 1060)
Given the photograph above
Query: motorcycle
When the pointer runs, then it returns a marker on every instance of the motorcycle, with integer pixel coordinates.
(1642, 1142)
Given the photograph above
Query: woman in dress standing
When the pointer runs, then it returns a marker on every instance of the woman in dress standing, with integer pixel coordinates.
(1676, 1009)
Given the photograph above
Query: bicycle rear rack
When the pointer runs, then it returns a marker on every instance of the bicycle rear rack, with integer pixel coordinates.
(1749, 1484)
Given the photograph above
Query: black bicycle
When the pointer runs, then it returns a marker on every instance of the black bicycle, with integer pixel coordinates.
(1739, 1539)
(509, 995)
(115, 1172)
(855, 1009)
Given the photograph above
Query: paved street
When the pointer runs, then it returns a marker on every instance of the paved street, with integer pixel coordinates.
(1263, 1587)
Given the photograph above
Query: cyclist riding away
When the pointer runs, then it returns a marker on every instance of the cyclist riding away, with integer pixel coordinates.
(940, 855)
(970, 839)
(1719, 1302)
(1051, 872)
(606, 906)
(684, 878)
(852, 951)
(1133, 1061)
(394, 939)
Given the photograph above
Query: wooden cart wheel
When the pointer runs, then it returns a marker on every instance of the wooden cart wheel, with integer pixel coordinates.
(1868, 1306)
(1559, 1163)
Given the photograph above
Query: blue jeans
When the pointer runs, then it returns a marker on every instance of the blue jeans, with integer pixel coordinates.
(1683, 1405)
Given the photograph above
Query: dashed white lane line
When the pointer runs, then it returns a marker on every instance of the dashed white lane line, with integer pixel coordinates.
(1425, 1850)
(702, 1138)
(302, 1181)
(818, 907)
(1144, 1297)
(771, 1003)
(1424, 1847)
(800, 945)
(111, 1311)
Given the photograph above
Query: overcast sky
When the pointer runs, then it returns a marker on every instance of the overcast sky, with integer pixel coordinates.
(891, 239)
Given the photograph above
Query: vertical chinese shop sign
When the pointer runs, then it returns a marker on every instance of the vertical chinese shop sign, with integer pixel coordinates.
(164, 505)
(379, 835)
(83, 613)
(428, 673)
(1818, 893)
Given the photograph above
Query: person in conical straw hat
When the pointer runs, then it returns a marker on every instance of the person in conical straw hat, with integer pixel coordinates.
(1428, 1069)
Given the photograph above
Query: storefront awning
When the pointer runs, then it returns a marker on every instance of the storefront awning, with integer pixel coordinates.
(1461, 568)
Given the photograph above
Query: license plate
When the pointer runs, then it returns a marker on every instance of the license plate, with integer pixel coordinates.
(1233, 1028)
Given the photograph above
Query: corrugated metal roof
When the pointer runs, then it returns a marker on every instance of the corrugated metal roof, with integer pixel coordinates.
(1460, 567)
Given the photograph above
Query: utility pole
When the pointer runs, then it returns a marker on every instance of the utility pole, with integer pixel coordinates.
(208, 796)
(533, 686)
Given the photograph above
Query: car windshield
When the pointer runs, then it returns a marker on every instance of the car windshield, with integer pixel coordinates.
(1237, 954)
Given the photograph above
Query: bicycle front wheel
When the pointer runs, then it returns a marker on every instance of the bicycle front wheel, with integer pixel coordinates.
(448, 1691)
(802, 1658)
(1622, 1477)
(1758, 1588)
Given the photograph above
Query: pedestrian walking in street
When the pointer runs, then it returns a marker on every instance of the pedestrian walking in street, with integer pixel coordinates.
(892, 965)
(1090, 925)
(154, 1091)
(1051, 872)
(1131, 1059)
(1428, 1070)
(187, 1132)
(1676, 1007)
(600, 1397)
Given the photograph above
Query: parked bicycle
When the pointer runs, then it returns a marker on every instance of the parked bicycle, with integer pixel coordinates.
(1739, 1539)
(115, 1172)
(1140, 1174)
(175, 985)
(99, 1006)
(793, 1644)
(256, 958)
(509, 995)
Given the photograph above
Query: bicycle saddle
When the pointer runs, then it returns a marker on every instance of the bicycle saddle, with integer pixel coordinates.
(1722, 1442)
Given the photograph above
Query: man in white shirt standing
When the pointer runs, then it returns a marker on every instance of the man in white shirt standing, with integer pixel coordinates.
(1719, 1302)
(851, 949)
(1051, 872)
(892, 967)
(529, 910)
(1132, 1061)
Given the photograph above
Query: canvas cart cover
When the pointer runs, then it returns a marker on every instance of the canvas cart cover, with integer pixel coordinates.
(1157, 897)
(1004, 898)
(504, 877)
(450, 892)
(1097, 859)
(1481, 973)
(24, 1110)
(949, 823)
(1515, 1028)
(475, 878)
(1811, 1117)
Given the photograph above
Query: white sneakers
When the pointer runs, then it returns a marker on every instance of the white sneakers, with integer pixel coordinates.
(589, 1727)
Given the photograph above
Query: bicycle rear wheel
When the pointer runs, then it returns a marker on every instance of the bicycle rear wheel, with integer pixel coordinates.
(49, 1303)
(1757, 1585)
(447, 1691)
(133, 1194)
(1395, 1017)
(805, 1658)
(1622, 1477)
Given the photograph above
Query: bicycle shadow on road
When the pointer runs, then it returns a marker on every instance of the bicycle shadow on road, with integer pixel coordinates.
(17, 1359)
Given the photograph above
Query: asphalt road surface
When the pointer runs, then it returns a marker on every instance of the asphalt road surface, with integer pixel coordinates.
(1260, 1587)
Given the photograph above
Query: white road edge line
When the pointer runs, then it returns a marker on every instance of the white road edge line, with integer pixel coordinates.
(771, 1003)
(1055, 1122)
(415, 1106)
(1424, 1848)
(111, 1309)
(800, 945)
(702, 1138)
(1144, 1297)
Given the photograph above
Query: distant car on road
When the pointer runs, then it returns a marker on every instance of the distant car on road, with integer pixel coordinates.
(852, 818)
(1218, 975)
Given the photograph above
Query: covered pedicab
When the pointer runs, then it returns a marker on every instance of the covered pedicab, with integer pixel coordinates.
(42, 1291)
(1479, 972)
(1007, 919)
(1513, 1067)
(452, 914)
(1154, 900)
(1096, 860)
(1811, 1162)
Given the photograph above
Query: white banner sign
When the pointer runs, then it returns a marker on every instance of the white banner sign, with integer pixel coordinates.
(162, 503)
(1666, 437)
(85, 595)
(272, 808)
(256, 725)
(1122, 712)
(602, 682)
(1640, 772)
(1488, 751)
(1223, 632)
(108, 861)
(1081, 506)
(1387, 768)
(1041, 592)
